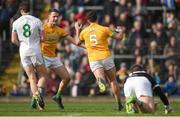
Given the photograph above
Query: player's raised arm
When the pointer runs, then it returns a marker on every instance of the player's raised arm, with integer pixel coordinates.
(71, 39)
(119, 33)
(78, 41)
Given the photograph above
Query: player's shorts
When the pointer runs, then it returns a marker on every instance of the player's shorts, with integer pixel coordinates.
(107, 64)
(137, 86)
(52, 62)
(32, 60)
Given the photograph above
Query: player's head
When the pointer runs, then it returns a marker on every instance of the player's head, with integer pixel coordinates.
(53, 16)
(24, 7)
(136, 67)
(92, 16)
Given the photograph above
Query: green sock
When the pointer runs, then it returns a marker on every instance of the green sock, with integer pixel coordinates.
(119, 102)
(58, 94)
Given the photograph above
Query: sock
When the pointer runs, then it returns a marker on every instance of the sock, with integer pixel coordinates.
(100, 80)
(158, 91)
(139, 103)
(41, 90)
(58, 94)
(119, 102)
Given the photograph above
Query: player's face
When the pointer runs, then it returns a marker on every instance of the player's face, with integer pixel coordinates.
(53, 18)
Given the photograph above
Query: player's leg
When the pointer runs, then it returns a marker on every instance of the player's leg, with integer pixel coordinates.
(114, 85)
(158, 91)
(98, 71)
(129, 92)
(147, 105)
(100, 79)
(37, 62)
(144, 95)
(36, 100)
(131, 107)
(63, 73)
(32, 78)
(42, 75)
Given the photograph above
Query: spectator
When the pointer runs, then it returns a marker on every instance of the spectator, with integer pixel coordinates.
(109, 8)
(69, 67)
(160, 36)
(122, 73)
(135, 33)
(138, 49)
(75, 89)
(172, 48)
(171, 71)
(2, 90)
(138, 60)
(153, 70)
(170, 87)
(15, 91)
(153, 49)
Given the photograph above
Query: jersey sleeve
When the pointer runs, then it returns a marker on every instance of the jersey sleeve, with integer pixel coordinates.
(63, 33)
(109, 32)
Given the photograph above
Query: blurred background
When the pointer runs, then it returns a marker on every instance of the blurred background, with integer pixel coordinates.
(152, 39)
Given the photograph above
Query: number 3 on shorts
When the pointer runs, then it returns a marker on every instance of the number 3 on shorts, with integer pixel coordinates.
(93, 40)
(26, 30)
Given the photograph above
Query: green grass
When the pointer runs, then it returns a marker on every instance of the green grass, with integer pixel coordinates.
(75, 108)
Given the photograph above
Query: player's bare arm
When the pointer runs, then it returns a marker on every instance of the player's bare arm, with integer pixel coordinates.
(77, 28)
(42, 36)
(69, 38)
(14, 38)
(119, 33)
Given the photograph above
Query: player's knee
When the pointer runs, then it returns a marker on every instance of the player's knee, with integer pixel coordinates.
(32, 79)
(151, 109)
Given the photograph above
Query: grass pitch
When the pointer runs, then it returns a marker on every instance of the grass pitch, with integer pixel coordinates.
(95, 106)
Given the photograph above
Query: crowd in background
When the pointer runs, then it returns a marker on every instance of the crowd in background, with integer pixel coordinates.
(152, 39)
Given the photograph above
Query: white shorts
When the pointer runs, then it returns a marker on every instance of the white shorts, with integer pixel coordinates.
(52, 62)
(137, 86)
(32, 60)
(105, 63)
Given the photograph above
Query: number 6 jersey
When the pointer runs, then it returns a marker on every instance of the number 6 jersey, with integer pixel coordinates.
(28, 29)
(96, 41)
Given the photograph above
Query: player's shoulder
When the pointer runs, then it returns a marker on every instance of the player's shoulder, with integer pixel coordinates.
(17, 20)
(85, 29)
(35, 18)
(58, 28)
(103, 28)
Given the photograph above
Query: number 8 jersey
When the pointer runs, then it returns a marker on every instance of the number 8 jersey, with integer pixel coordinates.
(96, 41)
(28, 30)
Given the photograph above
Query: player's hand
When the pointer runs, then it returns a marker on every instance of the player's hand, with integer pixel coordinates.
(120, 29)
(77, 26)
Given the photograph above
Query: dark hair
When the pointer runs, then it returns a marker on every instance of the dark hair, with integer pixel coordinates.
(24, 6)
(54, 10)
(137, 67)
(92, 16)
